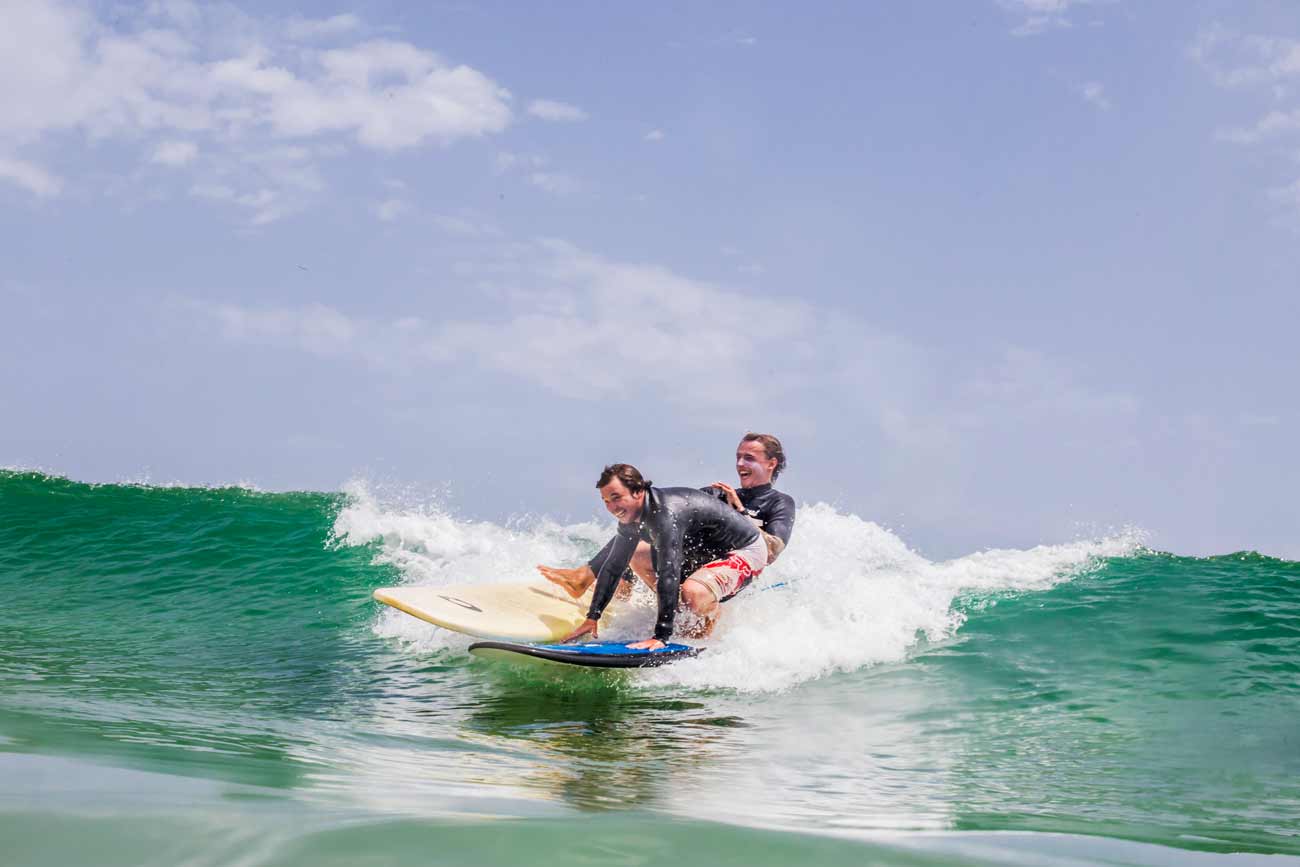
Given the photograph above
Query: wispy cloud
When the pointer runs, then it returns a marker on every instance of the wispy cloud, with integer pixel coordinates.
(549, 109)
(655, 135)
(1094, 93)
(556, 183)
(1261, 66)
(508, 161)
(1245, 60)
(317, 329)
(1034, 384)
(554, 336)
(1039, 16)
(321, 28)
(390, 210)
(174, 153)
(265, 204)
(30, 177)
(1287, 195)
(1275, 123)
(555, 333)
(463, 227)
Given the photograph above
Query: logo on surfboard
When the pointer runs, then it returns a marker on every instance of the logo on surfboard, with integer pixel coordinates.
(461, 602)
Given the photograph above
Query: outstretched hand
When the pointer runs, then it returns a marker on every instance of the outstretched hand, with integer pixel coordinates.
(732, 497)
(588, 627)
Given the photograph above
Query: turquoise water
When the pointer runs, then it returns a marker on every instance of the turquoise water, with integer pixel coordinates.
(192, 675)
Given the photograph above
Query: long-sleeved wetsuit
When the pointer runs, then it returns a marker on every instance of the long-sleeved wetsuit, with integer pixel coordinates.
(686, 529)
(772, 509)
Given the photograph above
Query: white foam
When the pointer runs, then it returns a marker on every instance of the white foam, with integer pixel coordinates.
(432, 548)
(854, 594)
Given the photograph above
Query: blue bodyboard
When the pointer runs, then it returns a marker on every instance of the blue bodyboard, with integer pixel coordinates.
(592, 654)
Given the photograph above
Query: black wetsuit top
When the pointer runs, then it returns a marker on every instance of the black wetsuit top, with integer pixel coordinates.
(686, 529)
(773, 509)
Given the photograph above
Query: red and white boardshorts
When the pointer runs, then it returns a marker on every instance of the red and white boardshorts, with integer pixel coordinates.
(728, 576)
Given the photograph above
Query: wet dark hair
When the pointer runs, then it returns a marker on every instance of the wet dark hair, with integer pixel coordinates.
(771, 447)
(629, 475)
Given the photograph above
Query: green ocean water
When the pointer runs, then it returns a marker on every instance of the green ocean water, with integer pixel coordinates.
(199, 676)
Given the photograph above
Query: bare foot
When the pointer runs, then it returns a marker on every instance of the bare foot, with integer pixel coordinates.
(574, 581)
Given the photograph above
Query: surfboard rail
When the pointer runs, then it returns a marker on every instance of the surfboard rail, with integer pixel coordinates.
(591, 654)
(521, 611)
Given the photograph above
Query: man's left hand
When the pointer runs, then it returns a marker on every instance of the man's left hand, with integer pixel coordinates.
(648, 644)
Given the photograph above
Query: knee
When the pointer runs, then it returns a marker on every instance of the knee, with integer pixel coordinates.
(697, 597)
(641, 562)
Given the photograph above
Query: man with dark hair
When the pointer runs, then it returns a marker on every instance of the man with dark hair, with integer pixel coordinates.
(760, 458)
(701, 550)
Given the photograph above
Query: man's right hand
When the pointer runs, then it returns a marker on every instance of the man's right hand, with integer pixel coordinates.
(574, 581)
(588, 627)
(730, 494)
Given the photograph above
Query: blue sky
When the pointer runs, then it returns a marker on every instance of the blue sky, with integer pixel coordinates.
(999, 273)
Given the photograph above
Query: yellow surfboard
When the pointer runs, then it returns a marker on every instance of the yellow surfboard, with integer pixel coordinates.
(531, 611)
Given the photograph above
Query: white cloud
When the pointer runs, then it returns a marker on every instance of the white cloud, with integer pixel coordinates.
(1094, 93)
(30, 177)
(655, 135)
(175, 153)
(548, 109)
(229, 84)
(390, 95)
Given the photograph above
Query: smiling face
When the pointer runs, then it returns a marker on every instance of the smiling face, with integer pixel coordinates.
(753, 465)
(624, 505)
